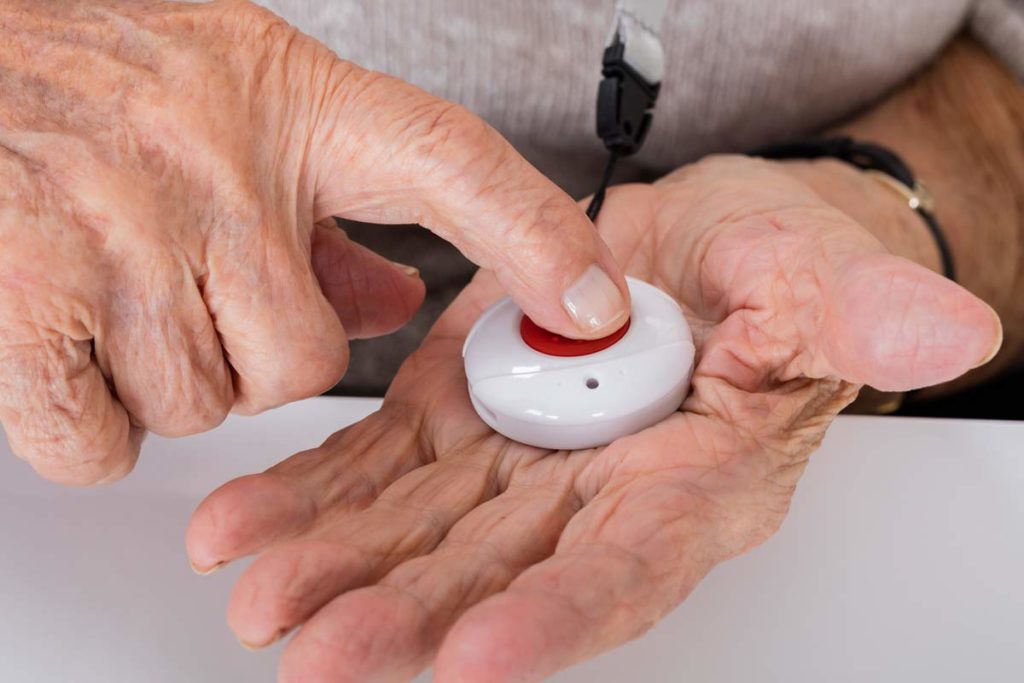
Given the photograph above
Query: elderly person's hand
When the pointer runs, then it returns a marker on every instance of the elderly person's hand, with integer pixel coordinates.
(165, 173)
(419, 532)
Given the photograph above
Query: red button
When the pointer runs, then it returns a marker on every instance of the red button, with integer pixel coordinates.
(539, 339)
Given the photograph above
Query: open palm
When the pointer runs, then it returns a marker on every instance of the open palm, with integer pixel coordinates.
(419, 533)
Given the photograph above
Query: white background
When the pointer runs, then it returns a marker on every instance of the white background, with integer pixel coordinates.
(902, 560)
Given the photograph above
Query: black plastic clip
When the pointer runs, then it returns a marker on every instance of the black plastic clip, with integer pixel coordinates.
(625, 100)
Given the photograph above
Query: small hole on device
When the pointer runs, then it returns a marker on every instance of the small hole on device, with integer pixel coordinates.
(592, 383)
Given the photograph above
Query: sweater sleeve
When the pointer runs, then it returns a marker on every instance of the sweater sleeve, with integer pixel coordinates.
(999, 24)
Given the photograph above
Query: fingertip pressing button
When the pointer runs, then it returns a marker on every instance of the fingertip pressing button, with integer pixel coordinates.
(552, 344)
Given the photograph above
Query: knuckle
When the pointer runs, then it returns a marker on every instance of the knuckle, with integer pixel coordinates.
(187, 420)
(447, 137)
(58, 417)
(302, 376)
(439, 121)
(75, 460)
(245, 18)
(543, 230)
(178, 400)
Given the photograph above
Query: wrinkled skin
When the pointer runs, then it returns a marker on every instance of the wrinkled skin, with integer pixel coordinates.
(420, 533)
(165, 173)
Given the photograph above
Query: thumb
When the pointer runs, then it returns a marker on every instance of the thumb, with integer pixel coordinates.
(371, 295)
(896, 326)
(387, 152)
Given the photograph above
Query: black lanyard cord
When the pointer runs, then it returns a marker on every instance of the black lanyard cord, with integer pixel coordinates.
(597, 201)
(625, 104)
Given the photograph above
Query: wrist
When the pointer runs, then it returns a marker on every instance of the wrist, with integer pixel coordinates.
(875, 207)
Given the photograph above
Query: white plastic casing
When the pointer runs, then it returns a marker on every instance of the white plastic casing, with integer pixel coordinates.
(544, 400)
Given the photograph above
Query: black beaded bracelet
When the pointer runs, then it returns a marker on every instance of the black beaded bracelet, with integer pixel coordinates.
(882, 163)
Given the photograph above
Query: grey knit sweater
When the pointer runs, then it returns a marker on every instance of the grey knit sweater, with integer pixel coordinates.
(739, 73)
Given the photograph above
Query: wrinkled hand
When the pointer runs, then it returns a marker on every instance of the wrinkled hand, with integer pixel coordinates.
(165, 172)
(420, 532)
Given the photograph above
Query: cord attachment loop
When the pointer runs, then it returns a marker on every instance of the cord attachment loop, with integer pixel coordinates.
(625, 102)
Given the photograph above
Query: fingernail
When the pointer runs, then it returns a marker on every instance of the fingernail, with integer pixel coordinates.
(594, 302)
(205, 571)
(253, 647)
(408, 270)
(999, 341)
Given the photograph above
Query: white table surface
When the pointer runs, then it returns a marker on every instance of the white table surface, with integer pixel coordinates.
(902, 560)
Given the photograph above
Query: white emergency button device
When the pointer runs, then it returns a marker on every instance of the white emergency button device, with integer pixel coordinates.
(544, 390)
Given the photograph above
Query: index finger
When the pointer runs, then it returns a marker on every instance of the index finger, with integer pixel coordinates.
(388, 152)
